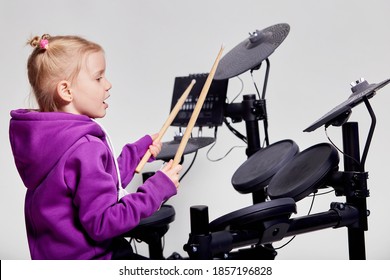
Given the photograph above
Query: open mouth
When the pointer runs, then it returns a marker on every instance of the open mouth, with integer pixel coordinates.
(104, 101)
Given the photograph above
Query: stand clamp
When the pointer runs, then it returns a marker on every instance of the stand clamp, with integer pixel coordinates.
(350, 183)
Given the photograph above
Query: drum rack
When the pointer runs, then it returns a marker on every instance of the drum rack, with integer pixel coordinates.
(270, 221)
(266, 222)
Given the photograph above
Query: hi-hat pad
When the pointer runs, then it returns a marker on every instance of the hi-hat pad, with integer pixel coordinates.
(251, 52)
(359, 89)
(169, 149)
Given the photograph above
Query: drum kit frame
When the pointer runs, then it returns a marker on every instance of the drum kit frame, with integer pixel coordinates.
(248, 233)
(263, 223)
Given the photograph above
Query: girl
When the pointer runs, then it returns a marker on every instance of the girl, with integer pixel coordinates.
(75, 206)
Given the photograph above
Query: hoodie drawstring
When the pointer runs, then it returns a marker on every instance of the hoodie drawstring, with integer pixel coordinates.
(121, 191)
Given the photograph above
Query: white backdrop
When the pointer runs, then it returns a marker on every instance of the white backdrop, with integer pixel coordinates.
(149, 43)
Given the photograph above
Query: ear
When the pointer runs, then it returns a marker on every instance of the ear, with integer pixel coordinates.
(63, 91)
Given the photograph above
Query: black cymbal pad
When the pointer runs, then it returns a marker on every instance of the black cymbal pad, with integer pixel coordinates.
(252, 51)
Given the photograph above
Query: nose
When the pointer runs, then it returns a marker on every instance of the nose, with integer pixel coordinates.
(108, 85)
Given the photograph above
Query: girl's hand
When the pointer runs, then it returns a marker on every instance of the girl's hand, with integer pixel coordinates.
(172, 172)
(155, 148)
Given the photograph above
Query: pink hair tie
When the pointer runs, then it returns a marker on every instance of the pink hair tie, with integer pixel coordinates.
(44, 44)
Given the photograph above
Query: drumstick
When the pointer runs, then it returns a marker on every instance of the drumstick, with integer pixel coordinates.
(167, 123)
(195, 113)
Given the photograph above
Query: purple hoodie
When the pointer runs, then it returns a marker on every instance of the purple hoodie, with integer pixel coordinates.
(71, 208)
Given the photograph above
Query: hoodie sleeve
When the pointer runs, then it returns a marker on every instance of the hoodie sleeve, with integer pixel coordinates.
(130, 156)
(90, 174)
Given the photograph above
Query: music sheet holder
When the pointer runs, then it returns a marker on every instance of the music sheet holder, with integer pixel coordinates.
(212, 111)
(341, 112)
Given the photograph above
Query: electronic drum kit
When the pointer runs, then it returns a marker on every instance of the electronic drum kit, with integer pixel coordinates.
(278, 176)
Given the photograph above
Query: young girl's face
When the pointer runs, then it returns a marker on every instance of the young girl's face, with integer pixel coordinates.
(90, 88)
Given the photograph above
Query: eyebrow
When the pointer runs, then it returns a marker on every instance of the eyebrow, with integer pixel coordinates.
(98, 73)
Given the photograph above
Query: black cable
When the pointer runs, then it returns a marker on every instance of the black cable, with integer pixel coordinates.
(189, 167)
(285, 244)
(312, 203)
(257, 90)
(212, 146)
(292, 238)
(234, 131)
(323, 193)
(334, 145)
(241, 90)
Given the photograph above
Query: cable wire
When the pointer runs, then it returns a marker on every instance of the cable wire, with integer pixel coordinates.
(189, 167)
(212, 146)
(334, 145)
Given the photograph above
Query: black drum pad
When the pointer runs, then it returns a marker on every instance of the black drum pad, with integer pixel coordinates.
(254, 214)
(165, 215)
(256, 172)
(306, 173)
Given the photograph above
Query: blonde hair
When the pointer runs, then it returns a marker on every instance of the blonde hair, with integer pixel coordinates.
(55, 58)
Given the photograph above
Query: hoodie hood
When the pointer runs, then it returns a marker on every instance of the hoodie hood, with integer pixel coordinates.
(39, 139)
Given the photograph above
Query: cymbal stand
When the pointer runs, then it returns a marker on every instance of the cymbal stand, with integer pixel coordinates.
(357, 195)
(351, 183)
(251, 110)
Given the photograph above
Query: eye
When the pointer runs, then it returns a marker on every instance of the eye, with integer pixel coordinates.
(99, 79)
